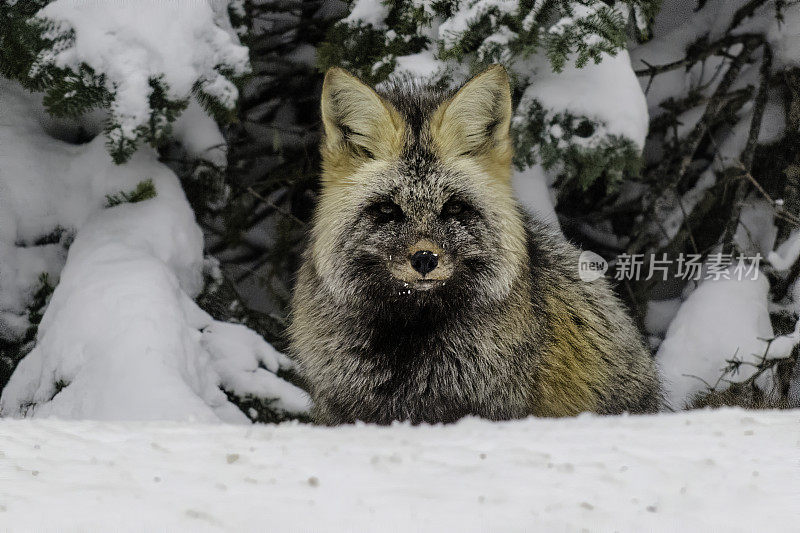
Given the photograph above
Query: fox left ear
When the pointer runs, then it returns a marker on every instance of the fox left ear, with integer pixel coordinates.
(358, 122)
(476, 120)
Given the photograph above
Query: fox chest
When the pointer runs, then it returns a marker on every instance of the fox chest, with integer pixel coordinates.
(426, 385)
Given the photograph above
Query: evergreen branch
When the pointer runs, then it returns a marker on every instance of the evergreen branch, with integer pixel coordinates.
(145, 190)
(746, 392)
(765, 363)
(776, 206)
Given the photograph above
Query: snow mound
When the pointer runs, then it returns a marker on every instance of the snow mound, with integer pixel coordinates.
(248, 365)
(727, 470)
(720, 320)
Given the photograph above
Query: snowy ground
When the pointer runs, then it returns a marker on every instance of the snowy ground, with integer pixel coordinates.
(728, 470)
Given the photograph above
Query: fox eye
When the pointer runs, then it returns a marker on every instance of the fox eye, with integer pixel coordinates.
(386, 211)
(454, 208)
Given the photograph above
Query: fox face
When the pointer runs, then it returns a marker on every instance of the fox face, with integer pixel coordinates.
(416, 205)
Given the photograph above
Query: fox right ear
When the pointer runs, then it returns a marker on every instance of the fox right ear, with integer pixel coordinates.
(357, 121)
(476, 121)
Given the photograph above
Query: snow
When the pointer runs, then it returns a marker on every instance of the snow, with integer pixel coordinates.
(530, 19)
(683, 205)
(421, 65)
(121, 330)
(784, 38)
(43, 185)
(579, 15)
(372, 12)
(720, 320)
(660, 314)
(200, 135)
(131, 43)
(678, 27)
(498, 41)
(246, 364)
(773, 123)
(756, 232)
(532, 188)
(787, 253)
(727, 470)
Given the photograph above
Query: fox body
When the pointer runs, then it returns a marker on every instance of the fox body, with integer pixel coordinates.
(427, 293)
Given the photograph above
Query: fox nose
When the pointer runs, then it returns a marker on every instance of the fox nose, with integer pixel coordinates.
(424, 261)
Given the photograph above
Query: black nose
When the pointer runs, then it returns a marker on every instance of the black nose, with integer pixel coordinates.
(424, 261)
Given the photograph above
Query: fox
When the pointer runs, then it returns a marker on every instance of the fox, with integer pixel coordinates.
(426, 293)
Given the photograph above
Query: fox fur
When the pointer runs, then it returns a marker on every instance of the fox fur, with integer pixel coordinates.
(502, 328)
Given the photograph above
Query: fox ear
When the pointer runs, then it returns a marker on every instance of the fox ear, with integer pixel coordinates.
(476, 120)
(357, 121)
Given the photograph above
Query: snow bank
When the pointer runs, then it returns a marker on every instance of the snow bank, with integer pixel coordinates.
(727, 470)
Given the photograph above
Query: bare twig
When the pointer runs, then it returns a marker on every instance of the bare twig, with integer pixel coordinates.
(277, 208)
(763, 364)
(748, 153)
(781, 288)
(698, 53)
(672, 170)
(746, 11)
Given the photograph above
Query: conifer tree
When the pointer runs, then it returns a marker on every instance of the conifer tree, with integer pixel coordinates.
(173, 101)
(39, 53)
